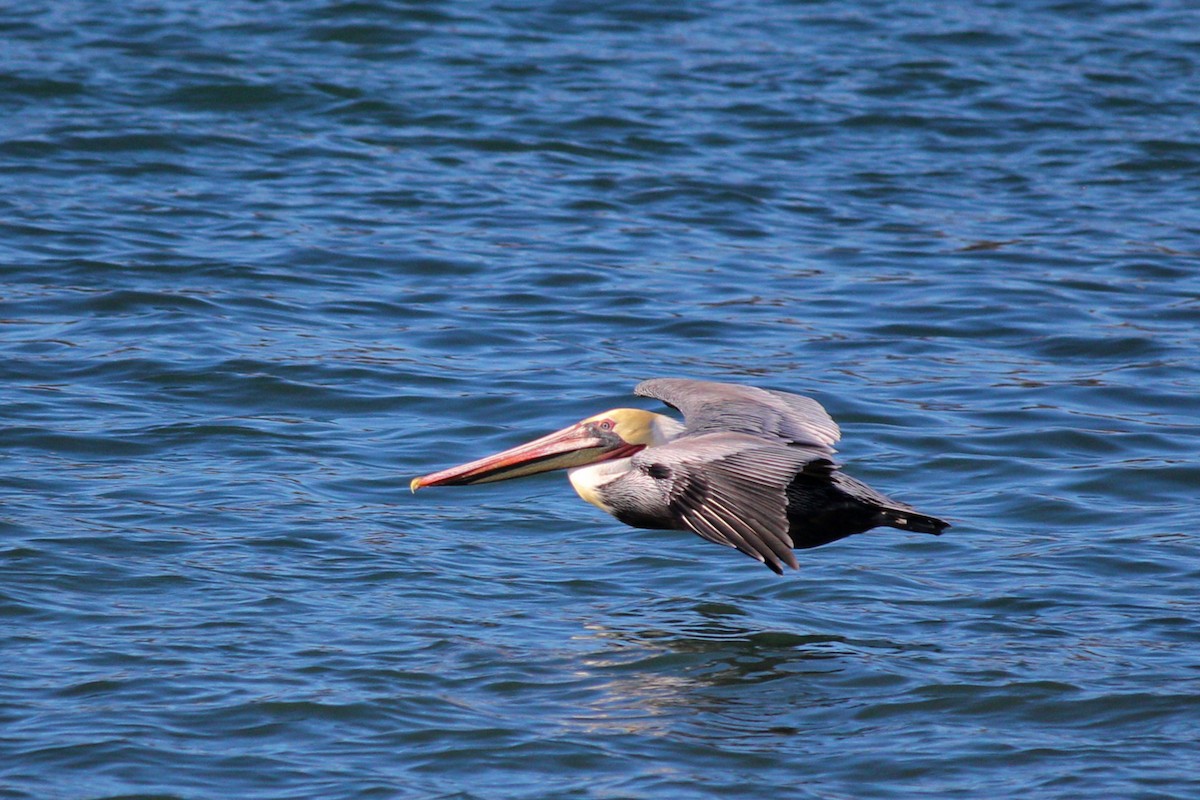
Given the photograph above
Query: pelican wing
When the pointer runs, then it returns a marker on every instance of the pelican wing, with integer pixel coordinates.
(729, 488)
(781, 416)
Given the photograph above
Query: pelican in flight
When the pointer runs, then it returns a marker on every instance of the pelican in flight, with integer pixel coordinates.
(748, 468)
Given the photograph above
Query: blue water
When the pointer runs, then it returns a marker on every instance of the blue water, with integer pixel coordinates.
(263, 263)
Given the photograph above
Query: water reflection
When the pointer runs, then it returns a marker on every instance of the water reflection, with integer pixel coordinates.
(708, 672)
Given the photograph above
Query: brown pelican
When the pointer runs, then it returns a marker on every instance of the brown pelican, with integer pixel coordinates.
(748, 468)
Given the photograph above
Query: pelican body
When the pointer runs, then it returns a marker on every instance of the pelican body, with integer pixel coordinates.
(748, 468)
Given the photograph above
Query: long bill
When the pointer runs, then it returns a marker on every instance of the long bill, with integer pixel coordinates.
(575, 446)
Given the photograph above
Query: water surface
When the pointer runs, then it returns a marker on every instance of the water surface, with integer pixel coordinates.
(263, 263)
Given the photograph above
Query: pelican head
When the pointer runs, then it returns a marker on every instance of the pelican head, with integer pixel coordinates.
(614, 434)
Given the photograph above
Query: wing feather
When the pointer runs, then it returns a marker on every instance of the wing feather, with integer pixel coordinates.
(771, 545)
(709, 407)
(731, 488)
(725, 523)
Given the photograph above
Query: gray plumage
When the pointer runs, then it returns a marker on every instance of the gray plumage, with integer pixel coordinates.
(708, 406)
(751, 470)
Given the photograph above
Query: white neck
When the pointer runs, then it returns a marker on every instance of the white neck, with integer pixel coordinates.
(664, 430)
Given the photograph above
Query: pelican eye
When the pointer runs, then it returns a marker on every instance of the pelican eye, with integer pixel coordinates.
(606, 425)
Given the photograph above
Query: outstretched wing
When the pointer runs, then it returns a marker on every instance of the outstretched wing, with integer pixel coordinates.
(709, 407)
(730, 488)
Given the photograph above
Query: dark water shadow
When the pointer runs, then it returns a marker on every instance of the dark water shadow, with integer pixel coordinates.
(708, 673)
